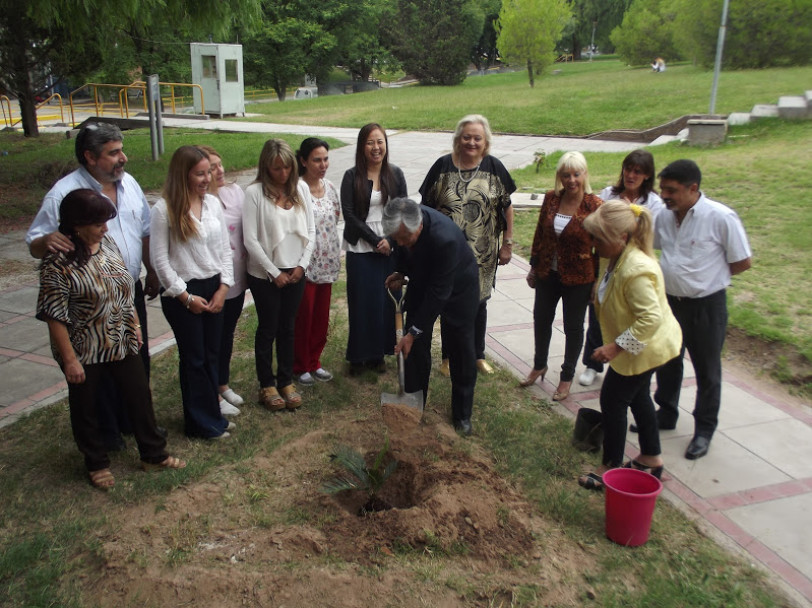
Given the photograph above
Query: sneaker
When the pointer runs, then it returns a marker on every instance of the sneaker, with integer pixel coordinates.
(226, 409)
(306, 379)
(323, 375)
(232, 397)
(225, 435)
(587, 377)
(231, 426)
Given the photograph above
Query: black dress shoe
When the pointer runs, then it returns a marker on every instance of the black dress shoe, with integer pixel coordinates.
(697, 448)
(116, 445)
(661, 424)
(464, 426)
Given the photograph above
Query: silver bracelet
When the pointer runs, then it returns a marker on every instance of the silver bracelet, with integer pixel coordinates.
(189, 301)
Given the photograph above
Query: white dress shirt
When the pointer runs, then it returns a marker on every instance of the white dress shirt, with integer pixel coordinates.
(696, 253)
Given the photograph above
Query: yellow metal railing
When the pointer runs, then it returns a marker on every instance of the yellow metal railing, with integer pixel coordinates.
(5, 101)
(61, 106)
(123, 104)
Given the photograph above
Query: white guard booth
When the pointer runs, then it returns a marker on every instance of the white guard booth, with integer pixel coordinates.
(217, 68)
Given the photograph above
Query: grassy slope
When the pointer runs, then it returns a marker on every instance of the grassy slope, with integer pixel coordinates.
(583, 98)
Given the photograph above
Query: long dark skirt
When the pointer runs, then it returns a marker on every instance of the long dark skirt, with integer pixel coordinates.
(371, 312)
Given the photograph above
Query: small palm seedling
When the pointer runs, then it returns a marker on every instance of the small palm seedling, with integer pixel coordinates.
(359, 476)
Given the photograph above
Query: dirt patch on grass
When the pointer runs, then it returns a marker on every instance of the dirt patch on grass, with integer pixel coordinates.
(459, 533)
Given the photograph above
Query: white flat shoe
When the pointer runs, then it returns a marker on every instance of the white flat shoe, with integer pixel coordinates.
(587, 377)
(232, 397)
(226, 409)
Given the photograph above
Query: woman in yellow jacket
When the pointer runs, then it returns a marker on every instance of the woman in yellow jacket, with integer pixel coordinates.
(639, 331)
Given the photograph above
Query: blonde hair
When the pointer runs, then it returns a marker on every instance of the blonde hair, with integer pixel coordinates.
(273, 149)
(176, 191)
(615, 218)
(213, 187)
(476, 119)
(573, 161)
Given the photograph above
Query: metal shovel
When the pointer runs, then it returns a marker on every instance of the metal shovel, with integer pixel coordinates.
(413, 400)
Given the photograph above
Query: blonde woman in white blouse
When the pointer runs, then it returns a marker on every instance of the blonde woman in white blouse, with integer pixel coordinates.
(191, 254)
(279, 235)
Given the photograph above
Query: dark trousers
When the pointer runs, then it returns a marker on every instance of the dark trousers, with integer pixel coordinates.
(131, 381)
(575, 298)
(112, 415)
(704, 324)
(619, 393)
(461, 357)
(276, 316)
(198, 339)
(232, 309)
(594, 340)
(312, 323)
(480, 329)
(370, 312)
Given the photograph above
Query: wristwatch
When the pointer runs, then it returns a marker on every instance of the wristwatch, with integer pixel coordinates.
(415, 332)
(508, 242)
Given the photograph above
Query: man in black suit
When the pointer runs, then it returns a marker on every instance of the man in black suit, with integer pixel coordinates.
(443, 278)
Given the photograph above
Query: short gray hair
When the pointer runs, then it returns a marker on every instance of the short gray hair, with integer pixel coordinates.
(92, 138)
(401, 211)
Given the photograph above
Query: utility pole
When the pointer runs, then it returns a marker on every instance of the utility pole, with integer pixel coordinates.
(717, 65)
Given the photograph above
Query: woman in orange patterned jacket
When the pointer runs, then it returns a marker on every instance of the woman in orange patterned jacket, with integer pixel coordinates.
(563, 267)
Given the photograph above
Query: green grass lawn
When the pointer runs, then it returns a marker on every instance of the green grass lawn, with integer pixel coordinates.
(34, 165)
(583, 98)
(762, 172)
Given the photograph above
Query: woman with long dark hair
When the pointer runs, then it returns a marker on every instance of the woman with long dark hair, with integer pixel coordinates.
(191, 253)
(313, 318)
(86, 297)
(365, 190)
(279, 235)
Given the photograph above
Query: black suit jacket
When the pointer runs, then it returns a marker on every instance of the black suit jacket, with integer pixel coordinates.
(355, 227)
(443, 275)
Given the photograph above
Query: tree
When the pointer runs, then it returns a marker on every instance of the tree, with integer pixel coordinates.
(647, 31)
(760, 33)
(433, 38)
(528, 30)
(485, 53)
(600, 16)
(69, 39)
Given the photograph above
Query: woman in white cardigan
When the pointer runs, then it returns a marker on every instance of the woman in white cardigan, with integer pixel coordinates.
(192, 257)
(279, 235)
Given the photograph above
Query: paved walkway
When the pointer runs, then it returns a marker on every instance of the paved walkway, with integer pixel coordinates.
(752, 493)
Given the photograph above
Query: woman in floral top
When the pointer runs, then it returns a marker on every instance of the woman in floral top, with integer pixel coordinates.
(314, 310)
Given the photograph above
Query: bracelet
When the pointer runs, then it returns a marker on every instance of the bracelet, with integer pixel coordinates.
(189, 301)
(508, 242)
(137, 326)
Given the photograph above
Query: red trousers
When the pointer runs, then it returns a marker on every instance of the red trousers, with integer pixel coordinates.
(312, 322)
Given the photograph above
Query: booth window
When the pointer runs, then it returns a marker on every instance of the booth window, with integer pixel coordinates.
(209, 66)
(232, 74)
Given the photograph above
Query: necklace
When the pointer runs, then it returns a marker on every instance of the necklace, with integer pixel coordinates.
(470, 179)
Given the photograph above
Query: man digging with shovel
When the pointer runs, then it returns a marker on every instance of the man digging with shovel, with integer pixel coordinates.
(443, 278)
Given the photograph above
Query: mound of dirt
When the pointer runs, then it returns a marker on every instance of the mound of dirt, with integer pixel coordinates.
(270, 537)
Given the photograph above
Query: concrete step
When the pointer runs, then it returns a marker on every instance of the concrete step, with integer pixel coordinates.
(793, 107)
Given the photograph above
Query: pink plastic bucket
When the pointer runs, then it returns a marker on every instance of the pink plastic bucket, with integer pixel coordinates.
(630, 499)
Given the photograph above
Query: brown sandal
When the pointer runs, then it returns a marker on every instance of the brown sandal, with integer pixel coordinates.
(291, 397)
(169, 463)
(270, 399)
(102, 479)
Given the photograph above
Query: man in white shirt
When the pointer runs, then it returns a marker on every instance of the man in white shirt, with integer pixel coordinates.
(99, 150)
(703, 244)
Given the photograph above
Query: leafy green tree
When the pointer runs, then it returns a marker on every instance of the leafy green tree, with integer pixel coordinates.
(647, 31)
(69, 39)
(528, 30)
(485, 52)
(602, 16)
(433, 38)
(760, 33)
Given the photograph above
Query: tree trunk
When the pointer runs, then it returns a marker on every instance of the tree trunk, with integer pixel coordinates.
(25, 90)
(281, 92)
(576, 48)
(530, 73)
